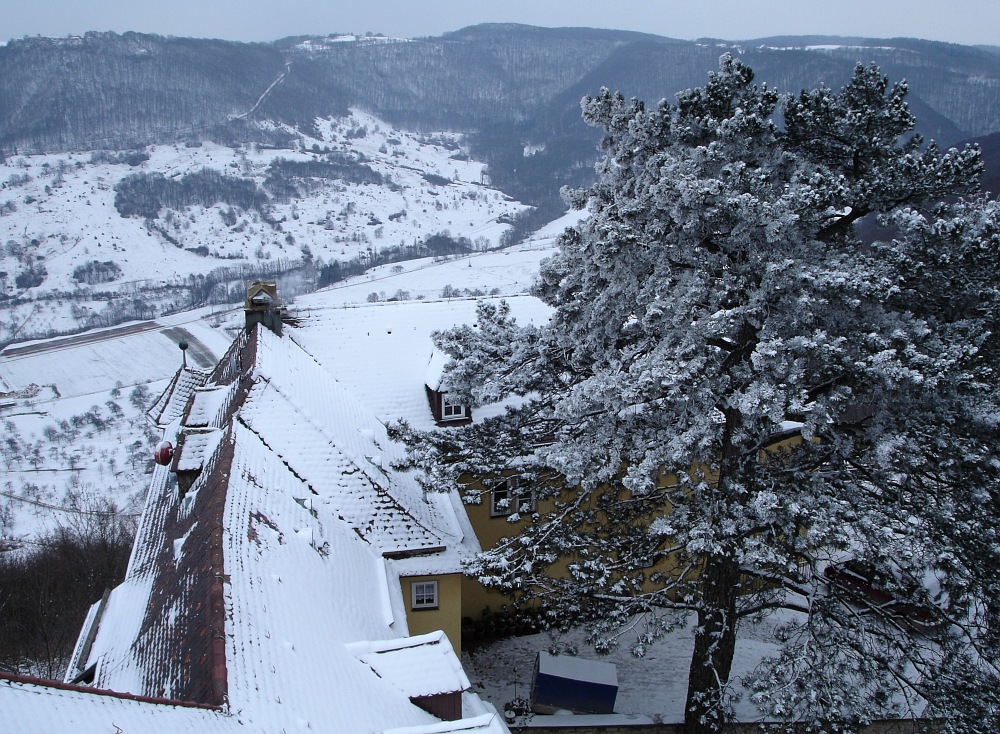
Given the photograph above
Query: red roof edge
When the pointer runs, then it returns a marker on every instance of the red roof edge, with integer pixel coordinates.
(59, 685)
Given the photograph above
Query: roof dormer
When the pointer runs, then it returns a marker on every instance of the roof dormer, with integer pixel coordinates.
(445, 407)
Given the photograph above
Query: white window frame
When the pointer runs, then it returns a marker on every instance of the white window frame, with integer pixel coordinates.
(451, 409)
(514, 501)
(424, 595)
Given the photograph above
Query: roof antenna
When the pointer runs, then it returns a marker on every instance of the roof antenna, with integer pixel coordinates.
(183, 346)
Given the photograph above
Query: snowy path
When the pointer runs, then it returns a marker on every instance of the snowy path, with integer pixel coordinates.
(197, 351)
(90, 337)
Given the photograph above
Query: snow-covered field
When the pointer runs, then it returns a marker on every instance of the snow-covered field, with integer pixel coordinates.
(74, 433)
(508, 272)
(58, 214)
(71, 408)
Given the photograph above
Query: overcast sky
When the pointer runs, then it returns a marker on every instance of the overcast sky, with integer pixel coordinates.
(957, 21)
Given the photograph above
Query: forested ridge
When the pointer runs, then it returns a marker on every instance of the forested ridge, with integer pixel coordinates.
(512, 88)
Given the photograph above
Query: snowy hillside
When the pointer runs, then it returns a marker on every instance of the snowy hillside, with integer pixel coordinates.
(81, 248)
(71, 408)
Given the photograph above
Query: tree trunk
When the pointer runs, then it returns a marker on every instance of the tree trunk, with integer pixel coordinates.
(714, 645)
(715, 637)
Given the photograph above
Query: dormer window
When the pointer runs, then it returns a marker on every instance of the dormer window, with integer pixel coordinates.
(447, 409)
(452, 408)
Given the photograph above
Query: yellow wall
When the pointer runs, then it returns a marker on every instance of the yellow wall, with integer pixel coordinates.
(447, 616)
(476, 597)
(489, 530)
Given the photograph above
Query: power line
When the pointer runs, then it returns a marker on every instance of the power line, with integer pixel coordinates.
(71, 510)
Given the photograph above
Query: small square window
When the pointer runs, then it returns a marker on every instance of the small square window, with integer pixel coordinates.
(452, 408)
(424, 594)
(506, 499)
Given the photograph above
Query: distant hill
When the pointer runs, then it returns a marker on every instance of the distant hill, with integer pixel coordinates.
(512, 88)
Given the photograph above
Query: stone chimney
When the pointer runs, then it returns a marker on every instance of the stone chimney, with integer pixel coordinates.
(263, 306)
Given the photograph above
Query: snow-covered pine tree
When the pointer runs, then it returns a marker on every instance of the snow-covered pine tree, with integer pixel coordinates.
(740, 407)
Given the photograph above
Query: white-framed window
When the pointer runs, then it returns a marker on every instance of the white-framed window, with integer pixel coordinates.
(505, 499)
(424, 595)
(452, 408)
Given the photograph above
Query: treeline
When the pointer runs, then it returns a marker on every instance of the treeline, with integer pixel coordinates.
(95, 272)
(436, 245)
(145, 194)
(507, 86)
(284, 174)
(527, 221)
(46, 588)
(117, 158)
(105, 90)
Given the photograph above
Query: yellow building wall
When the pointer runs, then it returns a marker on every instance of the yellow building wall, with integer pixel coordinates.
(476, 598)
(447, 616)
(489, 530)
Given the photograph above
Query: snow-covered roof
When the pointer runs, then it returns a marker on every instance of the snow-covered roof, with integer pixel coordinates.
(271, 589)
(435, 369)
(161, 629)
(423, 665)
(324, 433)
(489, 723)
(36, 707)
(300, 588)
(209, 405)
(382, 352)
(194, 448)
(170, 404)
(580, 669)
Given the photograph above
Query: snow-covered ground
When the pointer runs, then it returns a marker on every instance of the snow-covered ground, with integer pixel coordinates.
(74, 433)
(71, 408)
(57, 214)
(651, 689)
(507, 272)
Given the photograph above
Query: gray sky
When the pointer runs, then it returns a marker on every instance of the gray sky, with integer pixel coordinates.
(957, 21)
